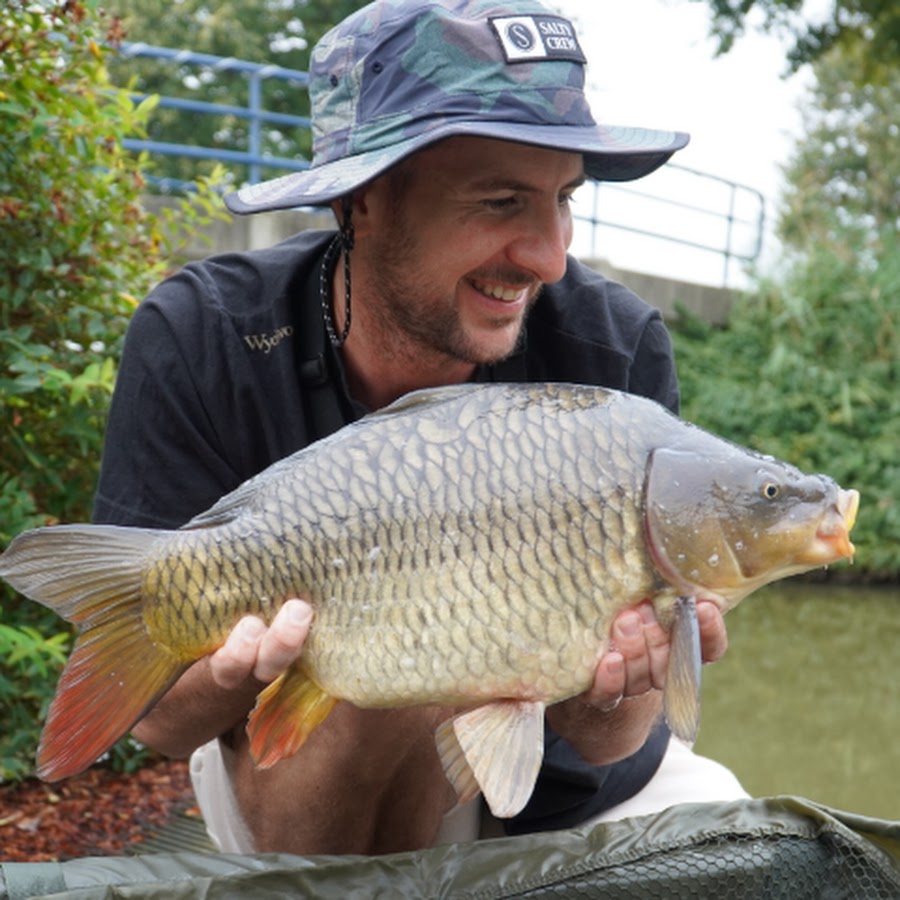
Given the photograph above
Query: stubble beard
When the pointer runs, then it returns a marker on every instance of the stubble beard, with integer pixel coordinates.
(416, 322)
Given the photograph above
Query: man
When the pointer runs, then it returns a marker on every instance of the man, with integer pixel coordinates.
(449, 139)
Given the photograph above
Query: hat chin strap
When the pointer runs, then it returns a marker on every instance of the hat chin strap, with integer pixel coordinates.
(342, 243)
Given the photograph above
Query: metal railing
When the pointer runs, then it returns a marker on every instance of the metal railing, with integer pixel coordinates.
(731, 227)
(729, 222)
(254, 113)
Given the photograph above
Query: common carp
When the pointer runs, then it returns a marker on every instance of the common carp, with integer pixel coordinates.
(466, 546)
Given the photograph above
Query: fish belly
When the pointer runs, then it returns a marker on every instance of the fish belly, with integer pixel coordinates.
(475, 615)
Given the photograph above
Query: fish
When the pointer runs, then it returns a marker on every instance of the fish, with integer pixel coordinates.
(465, 546)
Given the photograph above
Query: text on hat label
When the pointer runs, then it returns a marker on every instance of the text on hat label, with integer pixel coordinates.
(530, 38)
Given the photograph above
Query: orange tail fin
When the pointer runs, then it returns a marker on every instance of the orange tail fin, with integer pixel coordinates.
(91, 575)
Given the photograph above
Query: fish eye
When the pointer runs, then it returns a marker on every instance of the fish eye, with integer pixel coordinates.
(770, 490)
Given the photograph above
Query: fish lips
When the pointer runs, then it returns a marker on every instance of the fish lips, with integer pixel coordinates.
(832, 541)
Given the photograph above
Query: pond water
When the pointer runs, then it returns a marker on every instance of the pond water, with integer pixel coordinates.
(807, 699)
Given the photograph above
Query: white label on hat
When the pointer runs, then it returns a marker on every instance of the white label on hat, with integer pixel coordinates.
(526, 38)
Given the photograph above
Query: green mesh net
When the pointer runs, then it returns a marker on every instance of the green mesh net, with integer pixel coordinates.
(769, 848)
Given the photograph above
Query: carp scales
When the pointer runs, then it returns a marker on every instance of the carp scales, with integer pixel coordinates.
(466, 546)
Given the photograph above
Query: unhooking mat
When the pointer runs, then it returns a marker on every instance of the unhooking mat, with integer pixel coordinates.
(780, 848)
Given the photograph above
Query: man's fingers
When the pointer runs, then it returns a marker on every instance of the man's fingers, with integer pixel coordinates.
(253, 649)
(638, 658)
(644, 645)
(609, 682)
(283, 642)
(233, 662)
(629, 640)
(634, 663)
(657, 642)
(713, 635)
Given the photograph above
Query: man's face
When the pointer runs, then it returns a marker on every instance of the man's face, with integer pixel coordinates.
(462, 237)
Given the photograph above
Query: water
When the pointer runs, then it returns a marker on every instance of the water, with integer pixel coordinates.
(807, 699)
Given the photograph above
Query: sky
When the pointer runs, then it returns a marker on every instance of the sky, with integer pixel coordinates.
(652, 64)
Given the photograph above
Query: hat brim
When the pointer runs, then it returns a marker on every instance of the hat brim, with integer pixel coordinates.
(611, 153)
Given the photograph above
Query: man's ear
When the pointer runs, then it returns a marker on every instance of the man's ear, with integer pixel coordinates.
(361, 209)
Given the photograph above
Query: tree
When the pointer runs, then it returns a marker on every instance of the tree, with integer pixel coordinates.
(843, 181)
(261, 31)
(868, 29)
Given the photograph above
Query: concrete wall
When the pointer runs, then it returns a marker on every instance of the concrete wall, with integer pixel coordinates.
(245, 232)
(252, 232)
(709, 303)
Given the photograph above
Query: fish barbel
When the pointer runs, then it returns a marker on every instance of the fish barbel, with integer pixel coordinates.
(466, 546)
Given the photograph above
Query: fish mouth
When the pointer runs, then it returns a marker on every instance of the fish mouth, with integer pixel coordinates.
(832, 540)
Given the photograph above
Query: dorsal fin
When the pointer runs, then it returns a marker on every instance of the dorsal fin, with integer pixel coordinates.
(431, 396)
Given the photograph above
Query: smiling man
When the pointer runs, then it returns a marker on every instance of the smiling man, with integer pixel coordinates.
(449, 138)
(455, 245)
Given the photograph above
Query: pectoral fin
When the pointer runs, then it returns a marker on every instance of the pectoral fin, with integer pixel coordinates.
(496, 748)
(681, 698)
(286, 713)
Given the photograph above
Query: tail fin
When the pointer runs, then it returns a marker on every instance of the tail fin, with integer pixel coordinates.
(91, 576)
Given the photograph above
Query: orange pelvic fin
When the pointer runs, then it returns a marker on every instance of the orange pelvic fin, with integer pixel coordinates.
(91, 575)
(285, 715)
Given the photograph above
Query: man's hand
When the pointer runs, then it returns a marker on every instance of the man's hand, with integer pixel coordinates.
(598, 724)
(638, 657)
(252, 649)
(215, 694)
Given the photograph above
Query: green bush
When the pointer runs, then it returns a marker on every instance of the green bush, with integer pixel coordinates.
(30, 662)
(808, 370)
(76, 248)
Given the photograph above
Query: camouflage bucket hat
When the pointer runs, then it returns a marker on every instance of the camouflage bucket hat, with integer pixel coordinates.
(399, 75)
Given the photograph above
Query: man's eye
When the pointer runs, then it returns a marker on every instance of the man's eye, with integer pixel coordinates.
(500, 203)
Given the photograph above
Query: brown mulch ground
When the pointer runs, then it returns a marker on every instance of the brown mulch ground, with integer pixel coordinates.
(96, 813)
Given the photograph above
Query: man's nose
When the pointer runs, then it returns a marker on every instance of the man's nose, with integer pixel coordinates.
(542, 244)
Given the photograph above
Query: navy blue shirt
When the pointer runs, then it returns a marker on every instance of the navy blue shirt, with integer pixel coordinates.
(227, 369)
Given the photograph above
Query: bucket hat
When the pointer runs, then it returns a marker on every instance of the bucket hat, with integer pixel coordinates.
(399, 75)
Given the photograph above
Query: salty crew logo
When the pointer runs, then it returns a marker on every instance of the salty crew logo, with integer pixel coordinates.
(530, 38)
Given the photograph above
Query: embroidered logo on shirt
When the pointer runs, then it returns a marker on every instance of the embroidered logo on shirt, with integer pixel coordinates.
(268, 342)
(529, 38)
